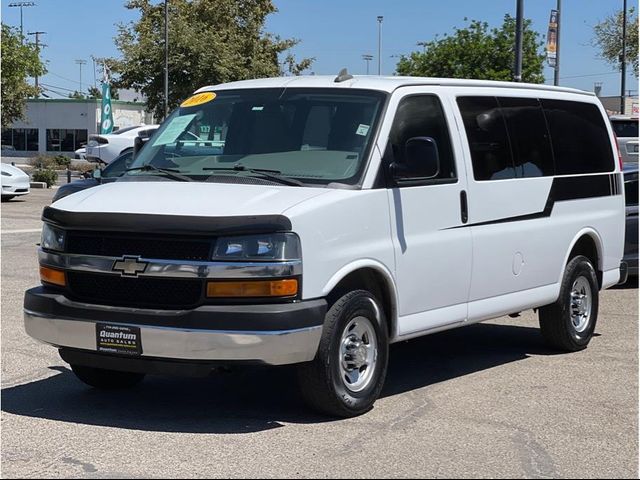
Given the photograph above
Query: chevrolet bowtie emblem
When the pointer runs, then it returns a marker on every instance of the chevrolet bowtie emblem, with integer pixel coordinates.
(129, 266)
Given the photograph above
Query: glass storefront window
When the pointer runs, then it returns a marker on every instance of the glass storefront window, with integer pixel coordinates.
(21, 139)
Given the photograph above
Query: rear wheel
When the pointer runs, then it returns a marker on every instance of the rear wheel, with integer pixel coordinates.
(568, 324)
(106, 379)
(348, 373)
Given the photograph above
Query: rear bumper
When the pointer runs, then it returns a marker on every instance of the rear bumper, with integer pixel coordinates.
(275, 334)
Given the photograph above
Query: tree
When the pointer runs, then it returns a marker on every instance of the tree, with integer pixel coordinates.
(19, 61)
(477, 52)
(209, 43)
(76, 95)
(608, 38)
(94, 92)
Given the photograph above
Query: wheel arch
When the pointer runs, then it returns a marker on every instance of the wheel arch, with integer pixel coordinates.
(370, 275)
(586, 242)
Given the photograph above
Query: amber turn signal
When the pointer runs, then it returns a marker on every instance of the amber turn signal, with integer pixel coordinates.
(49, 275)
(255, 288)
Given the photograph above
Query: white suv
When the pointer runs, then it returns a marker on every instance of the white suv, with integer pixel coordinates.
(106, 147)
(626, 129)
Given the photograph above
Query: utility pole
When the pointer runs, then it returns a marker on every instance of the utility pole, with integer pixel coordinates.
(37, 34)
(367, 58)
(166, 58)
(623, 57)
(380, 17)
(517, 77)
(22, 4)
(81, 63)
(556, 69)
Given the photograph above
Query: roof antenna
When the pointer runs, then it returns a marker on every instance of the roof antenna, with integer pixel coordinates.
(343, 76)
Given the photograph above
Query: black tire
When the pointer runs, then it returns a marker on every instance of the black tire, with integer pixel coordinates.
(556, 324)
(321, 380)
(6, 198)
(106, 379)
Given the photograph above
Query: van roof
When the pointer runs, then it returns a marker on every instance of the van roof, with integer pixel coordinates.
(386, 84)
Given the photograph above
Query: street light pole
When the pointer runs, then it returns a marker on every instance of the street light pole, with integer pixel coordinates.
(623, 57)
(380, 17)
(22, 4)
(556, 69)
(367, 58)
(166, 58)
(519, 24)
(80, 63)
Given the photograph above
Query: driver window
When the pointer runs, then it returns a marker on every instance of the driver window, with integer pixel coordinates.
(422, 116)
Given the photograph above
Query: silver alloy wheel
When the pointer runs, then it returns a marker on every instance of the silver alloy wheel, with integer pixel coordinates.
(358, 354)
(580, 304)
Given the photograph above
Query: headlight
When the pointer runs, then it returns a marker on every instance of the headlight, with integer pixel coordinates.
(52, 238)
(267, 247)
(6, 174)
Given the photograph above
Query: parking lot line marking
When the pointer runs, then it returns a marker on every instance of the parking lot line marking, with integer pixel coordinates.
(26, 230)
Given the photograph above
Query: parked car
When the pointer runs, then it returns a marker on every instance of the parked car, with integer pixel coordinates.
(626, 129)
(99, 176)
(80, 154)
(631, 231)
(105, 147)
(14, 181)
(332, 217)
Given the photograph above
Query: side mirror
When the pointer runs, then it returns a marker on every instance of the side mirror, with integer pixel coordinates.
(419, 162)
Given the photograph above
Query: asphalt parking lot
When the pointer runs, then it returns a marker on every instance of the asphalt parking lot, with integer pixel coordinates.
(489, 400)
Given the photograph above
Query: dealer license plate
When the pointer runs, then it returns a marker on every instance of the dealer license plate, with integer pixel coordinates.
(118, 339)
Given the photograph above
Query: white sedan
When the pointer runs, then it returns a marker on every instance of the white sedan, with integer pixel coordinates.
(106, 147)
(14, 181)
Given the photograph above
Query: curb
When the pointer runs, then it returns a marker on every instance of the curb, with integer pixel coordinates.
(38, 184)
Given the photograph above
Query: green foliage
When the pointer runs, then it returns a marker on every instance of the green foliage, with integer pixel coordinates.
(44, 162)
(19, 61)
(608, 39)
(477, 52)
(209, 43)
(94, 92)
(77, 95)
(46, 175)
(62, 160)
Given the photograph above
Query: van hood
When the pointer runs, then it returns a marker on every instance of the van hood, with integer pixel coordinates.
(188, 199)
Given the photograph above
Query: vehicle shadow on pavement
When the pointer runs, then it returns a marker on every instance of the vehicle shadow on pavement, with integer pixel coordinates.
(258, 399)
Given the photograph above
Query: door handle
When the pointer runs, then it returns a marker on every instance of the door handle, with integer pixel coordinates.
(464, 208)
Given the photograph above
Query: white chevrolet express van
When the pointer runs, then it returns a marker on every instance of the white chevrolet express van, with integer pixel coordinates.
(316, 220)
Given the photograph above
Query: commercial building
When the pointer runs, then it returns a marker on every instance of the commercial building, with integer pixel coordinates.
(64, 125)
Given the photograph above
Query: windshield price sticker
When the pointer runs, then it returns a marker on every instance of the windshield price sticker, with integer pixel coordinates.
(172, 131)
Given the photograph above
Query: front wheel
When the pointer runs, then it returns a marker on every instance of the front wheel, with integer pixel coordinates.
(106, 379)
(347, 375)
(568, 324)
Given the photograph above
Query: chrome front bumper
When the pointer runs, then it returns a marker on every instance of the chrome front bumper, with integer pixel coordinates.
(269, 347)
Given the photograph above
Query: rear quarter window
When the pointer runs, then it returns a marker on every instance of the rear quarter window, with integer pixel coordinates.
(579, 137)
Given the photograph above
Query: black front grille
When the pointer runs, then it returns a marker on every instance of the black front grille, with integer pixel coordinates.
(134, 292)
(111, 244)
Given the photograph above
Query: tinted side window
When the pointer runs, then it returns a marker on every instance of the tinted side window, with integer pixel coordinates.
(488, 140)
(422, 116)
(631, 192)
(528, 136)
(625, 128)
(579, 137)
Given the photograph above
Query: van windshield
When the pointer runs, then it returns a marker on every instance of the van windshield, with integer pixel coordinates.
(314, 136)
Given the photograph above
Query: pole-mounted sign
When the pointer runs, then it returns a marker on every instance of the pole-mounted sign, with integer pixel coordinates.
(552, 39)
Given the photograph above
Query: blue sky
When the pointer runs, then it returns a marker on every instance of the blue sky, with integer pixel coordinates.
(336, 32)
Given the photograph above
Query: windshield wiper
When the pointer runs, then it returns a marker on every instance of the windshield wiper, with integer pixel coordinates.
(275, 175)
(169, 172)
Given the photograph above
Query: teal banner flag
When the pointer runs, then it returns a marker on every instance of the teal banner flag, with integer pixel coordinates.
(106, 117)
